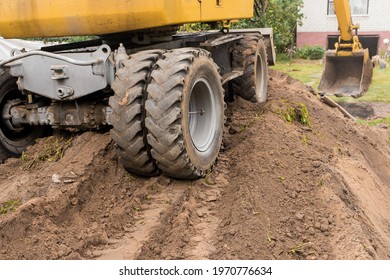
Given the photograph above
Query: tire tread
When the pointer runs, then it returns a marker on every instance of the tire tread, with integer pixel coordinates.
(164, 114)
(128, 130)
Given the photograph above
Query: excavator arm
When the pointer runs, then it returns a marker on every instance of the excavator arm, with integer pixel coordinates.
(348, 69)
(348, 42)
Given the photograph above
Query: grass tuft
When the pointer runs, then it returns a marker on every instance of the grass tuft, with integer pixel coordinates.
(52, 150)
(297, 112)
(299, 249)
(8, 206)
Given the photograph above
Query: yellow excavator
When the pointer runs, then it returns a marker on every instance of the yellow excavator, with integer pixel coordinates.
(348, 68)
(159, 90)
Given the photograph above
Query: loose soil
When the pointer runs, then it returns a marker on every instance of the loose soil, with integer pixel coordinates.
(294, 180)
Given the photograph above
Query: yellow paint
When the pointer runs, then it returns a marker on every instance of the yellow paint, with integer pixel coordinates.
(50, 18)
(348, 43)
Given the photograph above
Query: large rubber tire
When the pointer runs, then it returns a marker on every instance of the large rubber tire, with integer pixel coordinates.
(250, 55)
(128, 115)
(185, 143)
(14, 141)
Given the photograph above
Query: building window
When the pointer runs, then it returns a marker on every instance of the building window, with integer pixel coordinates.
(358, 7)
(331, 7)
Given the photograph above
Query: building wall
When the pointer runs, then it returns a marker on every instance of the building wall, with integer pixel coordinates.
(317, 24)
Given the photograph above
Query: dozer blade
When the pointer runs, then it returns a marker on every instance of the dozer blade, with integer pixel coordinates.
(346, 75)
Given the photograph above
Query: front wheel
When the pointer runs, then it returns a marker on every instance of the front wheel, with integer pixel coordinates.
(14, 140)
(185, 113)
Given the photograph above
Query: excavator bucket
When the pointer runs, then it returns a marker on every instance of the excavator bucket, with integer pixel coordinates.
(346, 75)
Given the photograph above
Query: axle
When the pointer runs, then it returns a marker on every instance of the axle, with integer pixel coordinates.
(87, 115)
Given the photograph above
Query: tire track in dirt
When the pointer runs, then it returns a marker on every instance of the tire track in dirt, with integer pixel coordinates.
(187, 229)
(137, 233)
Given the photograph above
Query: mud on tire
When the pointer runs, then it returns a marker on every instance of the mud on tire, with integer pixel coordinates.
(250, 55)
(127, 119)
(185, 113)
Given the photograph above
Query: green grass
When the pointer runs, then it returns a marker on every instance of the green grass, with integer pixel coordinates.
(309, 72)
(375, 122)
(53, 150)
(9, 206)
(379, 90)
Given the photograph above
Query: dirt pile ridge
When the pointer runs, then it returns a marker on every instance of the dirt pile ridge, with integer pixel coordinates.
(295, 180)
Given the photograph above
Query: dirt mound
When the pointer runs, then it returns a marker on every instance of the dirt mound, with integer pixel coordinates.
(295, 180)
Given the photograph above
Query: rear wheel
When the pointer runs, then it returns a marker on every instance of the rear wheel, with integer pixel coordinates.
(128, 114)
(250, 55)
(14, 139)
(185, 113)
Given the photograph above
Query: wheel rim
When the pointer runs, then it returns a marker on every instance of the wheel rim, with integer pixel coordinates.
(13, 137)
(259, 78)
(202, 117)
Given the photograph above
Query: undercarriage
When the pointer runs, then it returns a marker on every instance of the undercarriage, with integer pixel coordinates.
(161, 92)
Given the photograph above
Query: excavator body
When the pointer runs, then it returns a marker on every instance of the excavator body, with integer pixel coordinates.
(348, 68)
(160, 91)
(48, 18)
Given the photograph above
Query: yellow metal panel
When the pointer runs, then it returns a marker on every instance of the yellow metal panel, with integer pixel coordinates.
(343, 13)
(49, 18)
(229, 9)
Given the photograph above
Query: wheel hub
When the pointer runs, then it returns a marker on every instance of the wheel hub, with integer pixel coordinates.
(202, 119)
(7, 115)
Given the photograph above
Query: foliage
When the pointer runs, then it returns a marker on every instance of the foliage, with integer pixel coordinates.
(66, 40)
(10, 205)
(298, 113)
(52, 149)
(310, 52)
(191, 27)
(282, 57)
(283, 16)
